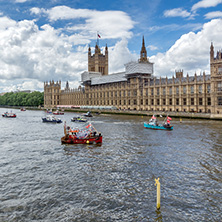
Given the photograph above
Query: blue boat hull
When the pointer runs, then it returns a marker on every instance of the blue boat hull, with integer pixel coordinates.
(159, 127)
(44, 120)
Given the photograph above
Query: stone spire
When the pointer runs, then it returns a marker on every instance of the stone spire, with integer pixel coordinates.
(143, 53)
(67, 85)
(211, 52)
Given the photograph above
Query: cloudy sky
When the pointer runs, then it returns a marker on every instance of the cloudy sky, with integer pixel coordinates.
(48, 40)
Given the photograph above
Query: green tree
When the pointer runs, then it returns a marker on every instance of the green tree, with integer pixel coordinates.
(22, 99)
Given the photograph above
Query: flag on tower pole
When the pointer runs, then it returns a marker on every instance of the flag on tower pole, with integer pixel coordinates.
(98, 37)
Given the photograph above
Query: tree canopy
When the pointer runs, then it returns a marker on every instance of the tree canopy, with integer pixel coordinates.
(22, 99)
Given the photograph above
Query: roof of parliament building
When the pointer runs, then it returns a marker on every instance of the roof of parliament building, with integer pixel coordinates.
(142, 66)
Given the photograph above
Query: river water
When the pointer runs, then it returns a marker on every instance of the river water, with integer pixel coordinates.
(42, 180)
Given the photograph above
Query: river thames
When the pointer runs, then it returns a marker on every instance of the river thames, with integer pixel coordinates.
(43, 180)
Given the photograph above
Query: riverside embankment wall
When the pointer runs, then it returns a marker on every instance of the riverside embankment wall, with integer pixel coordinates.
(135, 112)
(147, 113)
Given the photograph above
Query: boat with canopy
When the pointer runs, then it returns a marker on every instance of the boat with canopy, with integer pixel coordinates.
(153, 124)
(85, 135)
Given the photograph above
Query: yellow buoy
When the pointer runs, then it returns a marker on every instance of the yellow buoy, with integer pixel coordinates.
(157, 193)
(87, 141)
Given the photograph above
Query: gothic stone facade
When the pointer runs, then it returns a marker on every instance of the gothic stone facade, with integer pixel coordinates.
(138, 89)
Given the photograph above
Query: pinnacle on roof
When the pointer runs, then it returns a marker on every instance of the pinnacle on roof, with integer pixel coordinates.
(143, 52)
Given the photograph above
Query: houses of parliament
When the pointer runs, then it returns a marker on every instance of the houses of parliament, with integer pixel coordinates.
(138, 89)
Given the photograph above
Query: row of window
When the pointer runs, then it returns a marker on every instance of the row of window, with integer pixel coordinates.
(185, 89)
(155, 102)
(134, 93)
(142, 102)
(52, 90)
(185, 101)
(50, 98)
(145, 83)
(123, 93)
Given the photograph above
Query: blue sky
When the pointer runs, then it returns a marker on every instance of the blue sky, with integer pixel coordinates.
(48, 40)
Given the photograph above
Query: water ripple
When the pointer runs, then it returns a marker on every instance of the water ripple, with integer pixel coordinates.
(42, 180)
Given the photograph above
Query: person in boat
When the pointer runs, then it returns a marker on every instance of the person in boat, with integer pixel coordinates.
(168, 123)
(156, 122)
(153, 122)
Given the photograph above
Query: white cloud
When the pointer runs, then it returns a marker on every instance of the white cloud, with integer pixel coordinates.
(24, 84)
(206, 4)
(65, 12)
(37, 11)
(30, 85)
(211, 15)
(29, 52)
(190, 52)
(152, 47)
(42, 54)
(175, 27)
(110, 24)
(177, 12)
(6, 22)
(120, 55)
(8, 88)
(21, 1)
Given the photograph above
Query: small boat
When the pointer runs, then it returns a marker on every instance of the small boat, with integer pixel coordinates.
(153, 124)
(22, 109)
(9, 115)
(78, 119)
(81, 136)
(57, 112)
(51, 119)
(88, 114)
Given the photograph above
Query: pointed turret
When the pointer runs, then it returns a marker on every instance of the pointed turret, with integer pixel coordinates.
(107, 61)
(67, 85)
(143, 53)
(89, 51)
(96, 49)
(211, 52)
(106, 49)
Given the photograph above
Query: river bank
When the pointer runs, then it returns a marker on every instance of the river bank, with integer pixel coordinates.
(206, 116)
(189, 115)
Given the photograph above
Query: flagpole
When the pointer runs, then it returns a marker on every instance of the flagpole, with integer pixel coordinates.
(164, 120)
(97, 42)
